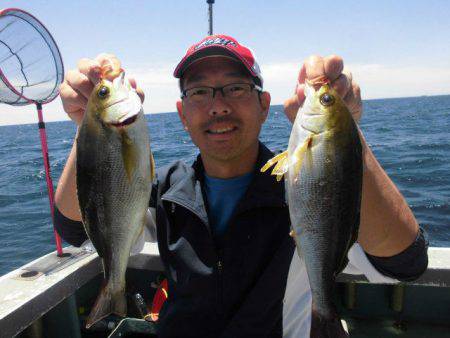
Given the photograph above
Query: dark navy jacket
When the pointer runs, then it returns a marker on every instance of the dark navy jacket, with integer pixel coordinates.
(226, 287)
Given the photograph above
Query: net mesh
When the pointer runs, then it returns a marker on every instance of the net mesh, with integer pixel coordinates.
(31, 68)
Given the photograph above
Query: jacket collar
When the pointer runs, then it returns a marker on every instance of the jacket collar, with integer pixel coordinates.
(263, 191)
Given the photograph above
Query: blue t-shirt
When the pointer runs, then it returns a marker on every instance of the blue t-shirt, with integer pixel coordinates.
(223, 195)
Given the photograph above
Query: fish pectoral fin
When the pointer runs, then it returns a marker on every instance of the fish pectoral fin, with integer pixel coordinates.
(281, 161)
(299, 154)
(274, 160)
(281, 165)
(129, 155)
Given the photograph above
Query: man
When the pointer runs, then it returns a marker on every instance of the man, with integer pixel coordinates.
(222, 226)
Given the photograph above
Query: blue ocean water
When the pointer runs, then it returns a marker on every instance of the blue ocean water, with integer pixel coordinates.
(409, 136)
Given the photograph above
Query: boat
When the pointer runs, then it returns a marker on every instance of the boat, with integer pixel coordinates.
(51, 297)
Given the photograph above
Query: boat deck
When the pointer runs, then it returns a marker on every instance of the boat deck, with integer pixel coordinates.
(55, 301)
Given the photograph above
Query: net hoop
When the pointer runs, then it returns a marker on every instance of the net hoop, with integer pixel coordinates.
(53, 47)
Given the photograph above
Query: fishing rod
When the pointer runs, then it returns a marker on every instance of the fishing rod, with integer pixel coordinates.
(210, 16)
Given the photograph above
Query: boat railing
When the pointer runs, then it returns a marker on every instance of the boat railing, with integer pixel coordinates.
(29, 292)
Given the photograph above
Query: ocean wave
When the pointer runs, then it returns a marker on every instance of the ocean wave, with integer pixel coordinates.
(408, 136)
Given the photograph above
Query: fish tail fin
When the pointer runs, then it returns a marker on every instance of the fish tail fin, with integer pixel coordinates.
(281, 167)
(322, 327)
(107, 302)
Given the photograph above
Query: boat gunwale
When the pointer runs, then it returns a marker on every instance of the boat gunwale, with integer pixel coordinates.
(45, 292)
(22, 301)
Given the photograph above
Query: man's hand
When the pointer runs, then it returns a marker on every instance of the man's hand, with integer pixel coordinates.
(316, 69)
(79, 83)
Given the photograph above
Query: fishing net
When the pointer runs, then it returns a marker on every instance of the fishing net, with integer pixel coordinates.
(31, 70)
(31, 67)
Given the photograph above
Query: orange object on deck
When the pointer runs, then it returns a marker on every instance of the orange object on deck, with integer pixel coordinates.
(160, 297)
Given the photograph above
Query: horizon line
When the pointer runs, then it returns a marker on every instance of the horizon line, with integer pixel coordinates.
(272, 105)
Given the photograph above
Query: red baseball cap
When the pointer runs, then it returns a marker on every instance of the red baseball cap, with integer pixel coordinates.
(220, 45)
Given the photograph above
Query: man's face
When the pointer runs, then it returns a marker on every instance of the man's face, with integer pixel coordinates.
(225, 129)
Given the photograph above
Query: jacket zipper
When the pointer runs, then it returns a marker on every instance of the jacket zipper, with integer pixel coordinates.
(220, 286)
(219, 264)
(172, 210)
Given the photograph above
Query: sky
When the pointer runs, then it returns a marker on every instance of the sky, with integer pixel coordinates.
(393, 48)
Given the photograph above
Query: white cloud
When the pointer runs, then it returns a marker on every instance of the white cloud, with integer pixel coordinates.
(280, 79)
(159, 85)
(161, 89)
(380, 81)
(375, 80)
(28, 114)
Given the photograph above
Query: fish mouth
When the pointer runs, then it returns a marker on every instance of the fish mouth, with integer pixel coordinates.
(125, 122)
(129, 112)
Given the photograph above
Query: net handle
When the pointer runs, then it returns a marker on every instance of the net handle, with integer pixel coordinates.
(2, 75)
(48, 177)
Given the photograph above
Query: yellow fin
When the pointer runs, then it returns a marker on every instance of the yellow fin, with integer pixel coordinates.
(273, 160)
(129, 155)
(152, 166)
(281, 167)
(299, 153)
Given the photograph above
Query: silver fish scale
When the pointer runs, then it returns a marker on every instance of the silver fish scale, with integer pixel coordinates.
(321, 200)
(113, 206)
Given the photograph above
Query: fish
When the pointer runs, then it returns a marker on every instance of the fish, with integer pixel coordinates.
(114, 171)
(322, 168)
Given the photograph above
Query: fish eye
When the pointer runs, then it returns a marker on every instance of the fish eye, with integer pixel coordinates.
(103, 92)
(327, 99)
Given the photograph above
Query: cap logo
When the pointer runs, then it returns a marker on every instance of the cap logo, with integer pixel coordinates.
(216, 41)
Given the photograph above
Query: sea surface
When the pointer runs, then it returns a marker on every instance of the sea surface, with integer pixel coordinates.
(409, 136)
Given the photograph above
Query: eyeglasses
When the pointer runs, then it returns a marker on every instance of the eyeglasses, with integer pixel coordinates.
(204, 95)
